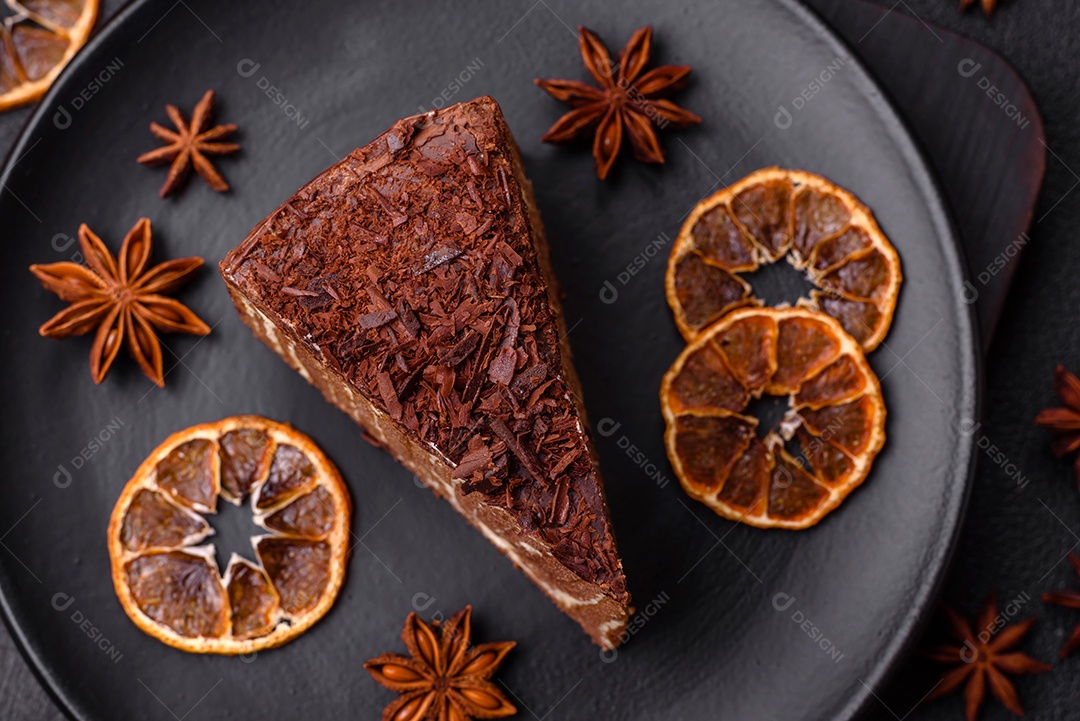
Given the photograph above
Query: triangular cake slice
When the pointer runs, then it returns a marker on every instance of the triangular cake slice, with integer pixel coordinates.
(410, 283)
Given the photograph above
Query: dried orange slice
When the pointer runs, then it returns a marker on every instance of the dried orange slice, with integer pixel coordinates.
(164, 572)
(773, 213)
(835, 416)
(38, 40)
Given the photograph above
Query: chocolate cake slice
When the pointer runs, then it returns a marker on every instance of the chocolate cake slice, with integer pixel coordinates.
(410, 283)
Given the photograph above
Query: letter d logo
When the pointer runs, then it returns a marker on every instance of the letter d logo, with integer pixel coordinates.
(62, 118)
(782, 601)
(247, 67)
(62, 601)
(609, 293)
(422, 601)
(782, 119)
(968, 67)
(62, 477)
(607, 426)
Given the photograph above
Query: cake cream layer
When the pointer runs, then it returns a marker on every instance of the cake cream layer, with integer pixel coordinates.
(410, 284)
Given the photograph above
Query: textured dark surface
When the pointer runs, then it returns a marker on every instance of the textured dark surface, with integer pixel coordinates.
(1014, 396)
(990, 164)
(1024, 511)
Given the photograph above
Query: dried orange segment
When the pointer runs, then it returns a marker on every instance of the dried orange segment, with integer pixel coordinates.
(828, 462)
(794, 495)
(718, 236)
(834, 249)
(37, 50)
(804, 346)
(62, 13)
(180, 591)
(764, 209)
(309, 516)
(840, 382)
(860, 318)
(706, 447)
(706, 382)
(189, 475)
(153, 522)
(844, 425)
(773, 213)
(253, 603)
(298, 568)
(749, 347)
(171, 587)
(744, 490)
(244, 452)
(835, 417)
(864, 276)
(291, 471)
(703, 291)
(37, 39)
(816, 215)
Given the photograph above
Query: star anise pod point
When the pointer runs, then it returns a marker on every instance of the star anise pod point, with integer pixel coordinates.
(625, 101)
(985, 654)
(443, 678)
(988, 6)
(1070, 599)
(189, 145)
(122, 299)
(1064, 420)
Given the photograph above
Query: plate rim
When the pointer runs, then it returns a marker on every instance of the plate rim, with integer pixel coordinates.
(904, 636)
(897, 649)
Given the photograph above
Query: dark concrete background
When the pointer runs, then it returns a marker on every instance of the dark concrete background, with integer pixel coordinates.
(1016, 538)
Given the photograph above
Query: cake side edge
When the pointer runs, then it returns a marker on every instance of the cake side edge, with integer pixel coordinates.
(543, 255)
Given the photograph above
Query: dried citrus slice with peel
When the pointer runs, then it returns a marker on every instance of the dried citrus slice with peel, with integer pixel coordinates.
(820, 228)
(38, 39)
(792, 475)
(164, 570)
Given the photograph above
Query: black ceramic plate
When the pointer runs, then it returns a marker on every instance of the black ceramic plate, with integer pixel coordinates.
(733, 622)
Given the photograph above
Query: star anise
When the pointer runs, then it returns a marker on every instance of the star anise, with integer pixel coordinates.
(445, 680)
(1065, 422)
(988, 6)
(1070, 599)
(627, 101)
(122, 300)
(983, 657)
(189, 145)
